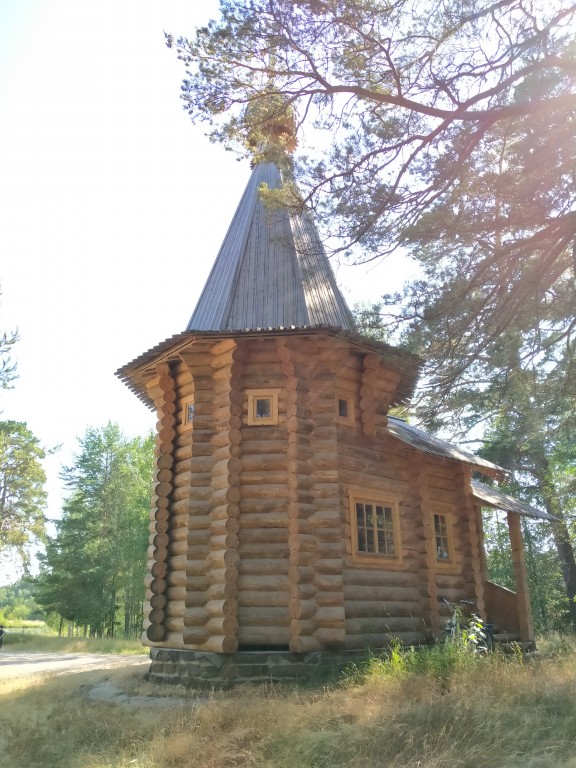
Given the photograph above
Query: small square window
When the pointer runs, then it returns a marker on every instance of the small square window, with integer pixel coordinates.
(188, 413)
(262, 406)
(345, 408)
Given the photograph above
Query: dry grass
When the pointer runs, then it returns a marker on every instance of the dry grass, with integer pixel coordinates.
(411, 713)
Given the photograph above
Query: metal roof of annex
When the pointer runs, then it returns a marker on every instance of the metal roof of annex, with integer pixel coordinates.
(422, 441)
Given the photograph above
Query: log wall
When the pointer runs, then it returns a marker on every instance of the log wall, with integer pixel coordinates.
(162, 389)
(263, 581)
(251, 536)
(320, 555)
(381, 601)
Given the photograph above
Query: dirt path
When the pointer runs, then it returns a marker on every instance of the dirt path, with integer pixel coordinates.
(19, 664)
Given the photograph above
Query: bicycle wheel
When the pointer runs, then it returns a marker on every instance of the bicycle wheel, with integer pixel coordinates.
(489, 639)
(485, 643)
(447, 637)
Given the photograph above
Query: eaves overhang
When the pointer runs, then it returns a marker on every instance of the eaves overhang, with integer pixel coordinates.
(487, 496)
(421, 441)
(406, 363)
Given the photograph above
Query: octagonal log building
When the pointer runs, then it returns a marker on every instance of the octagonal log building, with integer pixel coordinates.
(291, 513)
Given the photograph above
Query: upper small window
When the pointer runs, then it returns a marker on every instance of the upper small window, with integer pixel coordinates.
(188, 413)
(345, 408)
(262, 406)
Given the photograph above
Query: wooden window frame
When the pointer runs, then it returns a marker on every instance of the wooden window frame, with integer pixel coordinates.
(348, 397)
(187, 422)
(357, 495)
(253, 395)
(446, 512)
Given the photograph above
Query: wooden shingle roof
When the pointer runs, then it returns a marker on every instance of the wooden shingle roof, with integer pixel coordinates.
(422, 441)
(492, 497)
(271, 271)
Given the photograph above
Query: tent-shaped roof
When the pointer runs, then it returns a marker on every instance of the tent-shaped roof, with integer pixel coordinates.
(271, 271)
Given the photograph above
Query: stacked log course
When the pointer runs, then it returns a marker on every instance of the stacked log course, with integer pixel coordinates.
(162, 390)
(321, 551)
(300, 509)
(367, 393)
(263, 591)
(381, 600)
(176, 574)
(251, 535)
(194, 490)
(443, 498)
(472, 567)
(426, 545)
(223, 558)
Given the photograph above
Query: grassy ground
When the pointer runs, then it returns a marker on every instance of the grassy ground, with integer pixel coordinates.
(428, 709)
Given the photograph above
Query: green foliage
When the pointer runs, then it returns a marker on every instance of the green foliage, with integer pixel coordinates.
(450, 133)
(443, 662)
(18, 603)
(7, 366)
(22, 494)
(370, 321)
(499, 351)
(93, 570)
(427, 134)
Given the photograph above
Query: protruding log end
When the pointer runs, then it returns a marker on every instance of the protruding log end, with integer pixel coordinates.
(155, 633)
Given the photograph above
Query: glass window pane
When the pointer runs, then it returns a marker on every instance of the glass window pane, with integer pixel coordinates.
(370, 540)
(263, 408)
(375, 528)
(369, 515)
(343, 408)
(390, 548)
(442, 538)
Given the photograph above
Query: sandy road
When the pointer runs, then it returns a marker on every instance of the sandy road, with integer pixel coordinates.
(19, 664)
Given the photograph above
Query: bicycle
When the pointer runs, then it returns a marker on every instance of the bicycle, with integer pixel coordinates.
(469, 632)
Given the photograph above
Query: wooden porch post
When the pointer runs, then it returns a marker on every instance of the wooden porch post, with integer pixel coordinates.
(522, 593)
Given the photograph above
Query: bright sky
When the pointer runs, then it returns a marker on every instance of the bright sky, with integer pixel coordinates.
(112, 207)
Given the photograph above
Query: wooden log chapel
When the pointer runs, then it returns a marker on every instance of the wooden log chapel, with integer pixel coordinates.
(293, 518)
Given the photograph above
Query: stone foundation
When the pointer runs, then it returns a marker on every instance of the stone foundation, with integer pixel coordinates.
(202, 669)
